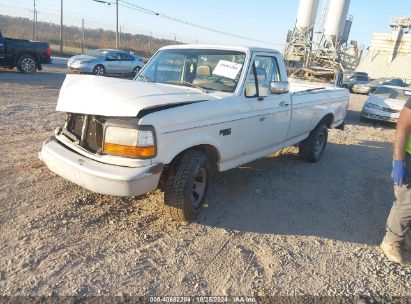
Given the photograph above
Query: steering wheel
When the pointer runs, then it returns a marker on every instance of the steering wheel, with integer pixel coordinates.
(225, 78)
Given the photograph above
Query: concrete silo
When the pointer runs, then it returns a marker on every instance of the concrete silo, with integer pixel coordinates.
(299, 41)
(307, 11)
(336, 20)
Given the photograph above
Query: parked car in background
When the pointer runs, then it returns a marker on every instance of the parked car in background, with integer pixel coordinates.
(106, 61)
(353, 78)
(27, 56)
(386, 103)
(373, 85)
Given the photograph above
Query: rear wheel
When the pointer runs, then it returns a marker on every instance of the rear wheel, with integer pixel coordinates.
(26, 64)
(186, 186)
(312, 148)
(99, 70)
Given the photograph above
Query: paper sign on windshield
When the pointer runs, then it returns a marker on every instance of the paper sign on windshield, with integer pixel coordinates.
(227, 69)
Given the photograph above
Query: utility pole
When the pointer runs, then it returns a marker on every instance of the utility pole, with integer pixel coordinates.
(61, 27)
(149, 42)
(109, 3)
(34, 19)
(35, 34)
(116, 24)
(82, 35)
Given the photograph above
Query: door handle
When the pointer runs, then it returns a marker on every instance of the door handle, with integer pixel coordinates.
(284, 103)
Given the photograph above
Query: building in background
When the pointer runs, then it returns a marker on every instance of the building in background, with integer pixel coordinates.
(389, 54)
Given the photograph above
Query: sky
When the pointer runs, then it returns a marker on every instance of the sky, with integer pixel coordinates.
(264, 20)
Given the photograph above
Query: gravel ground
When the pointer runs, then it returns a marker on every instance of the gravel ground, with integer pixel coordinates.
(274, 227)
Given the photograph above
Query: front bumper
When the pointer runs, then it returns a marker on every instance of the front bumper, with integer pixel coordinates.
(379, 115)
(98, 177)
(361, 90)
(77, 68)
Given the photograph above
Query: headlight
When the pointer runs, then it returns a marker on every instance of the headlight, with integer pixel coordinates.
(372, 106)
(137, 143)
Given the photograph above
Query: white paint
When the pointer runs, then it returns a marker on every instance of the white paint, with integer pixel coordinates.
(107, 96)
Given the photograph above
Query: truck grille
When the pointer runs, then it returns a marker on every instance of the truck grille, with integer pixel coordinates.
(88, 130)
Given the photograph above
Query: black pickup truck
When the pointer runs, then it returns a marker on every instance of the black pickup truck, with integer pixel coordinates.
(26, 55)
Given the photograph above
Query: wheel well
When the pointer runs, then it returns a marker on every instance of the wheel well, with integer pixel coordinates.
(327, 120)
(34, 55)
(209, 150)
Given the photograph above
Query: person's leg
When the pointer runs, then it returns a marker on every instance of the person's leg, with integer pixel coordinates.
(398, 221)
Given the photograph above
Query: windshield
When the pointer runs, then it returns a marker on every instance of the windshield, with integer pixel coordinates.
(215, 70)
(385, 92)
(97, 53)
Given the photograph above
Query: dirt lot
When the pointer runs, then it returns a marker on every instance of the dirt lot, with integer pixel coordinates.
(278, 226)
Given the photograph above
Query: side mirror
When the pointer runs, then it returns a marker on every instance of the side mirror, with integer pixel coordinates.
(279, 87)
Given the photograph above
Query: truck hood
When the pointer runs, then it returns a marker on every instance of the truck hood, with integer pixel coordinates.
(94, 95)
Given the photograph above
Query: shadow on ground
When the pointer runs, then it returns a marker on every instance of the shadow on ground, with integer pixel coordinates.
(285, 196)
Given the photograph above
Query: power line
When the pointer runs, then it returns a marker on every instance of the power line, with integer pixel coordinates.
(174, 19)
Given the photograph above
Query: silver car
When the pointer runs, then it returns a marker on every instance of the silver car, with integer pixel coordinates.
(106, 61)
(386, 103)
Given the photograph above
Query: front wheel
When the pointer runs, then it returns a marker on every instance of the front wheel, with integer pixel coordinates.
(99, 70)
(313, 147)
(186, 186)
(26, 64)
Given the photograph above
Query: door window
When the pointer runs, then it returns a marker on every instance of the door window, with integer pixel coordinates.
(264, 71)
(126, 57)
(114, 57)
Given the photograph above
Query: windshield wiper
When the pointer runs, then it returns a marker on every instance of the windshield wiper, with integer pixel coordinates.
(189, 84)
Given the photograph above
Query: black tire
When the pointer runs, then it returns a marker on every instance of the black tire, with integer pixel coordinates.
(186, 186)
(136, 70)
(313, 147)
(26, 64)
(99, 70)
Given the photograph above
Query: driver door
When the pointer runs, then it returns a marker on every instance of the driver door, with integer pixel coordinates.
(270, 114)
(113, 63)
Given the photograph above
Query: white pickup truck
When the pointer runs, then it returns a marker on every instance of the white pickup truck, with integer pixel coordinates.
(191, 109)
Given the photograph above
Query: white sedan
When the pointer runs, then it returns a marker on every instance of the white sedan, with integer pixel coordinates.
(386, 103)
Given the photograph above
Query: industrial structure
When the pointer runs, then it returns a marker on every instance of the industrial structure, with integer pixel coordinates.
(332, 48)
(300, 41)
(389, 54)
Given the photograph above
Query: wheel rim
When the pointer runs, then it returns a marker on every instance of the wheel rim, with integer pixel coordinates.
(319, 144)
(136, 70)
(199, 187)
(28, 64)
(99, 71)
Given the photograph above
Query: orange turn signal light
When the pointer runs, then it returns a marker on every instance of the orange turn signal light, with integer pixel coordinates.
(130, 151)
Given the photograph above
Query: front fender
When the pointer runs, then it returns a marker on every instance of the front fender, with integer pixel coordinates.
(171, 145)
